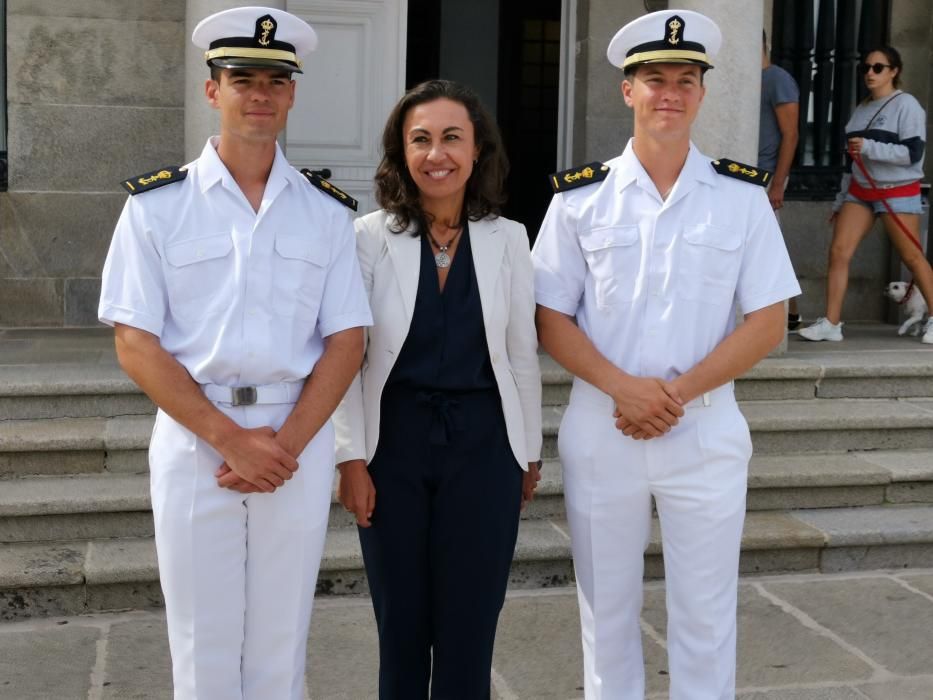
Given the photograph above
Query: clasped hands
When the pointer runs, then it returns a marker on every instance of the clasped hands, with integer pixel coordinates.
(647, 407)
(254, 462)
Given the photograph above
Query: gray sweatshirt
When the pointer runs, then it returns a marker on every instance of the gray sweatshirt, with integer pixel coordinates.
(894, 142)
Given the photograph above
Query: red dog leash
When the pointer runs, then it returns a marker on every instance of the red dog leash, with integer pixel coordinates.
(900, 224)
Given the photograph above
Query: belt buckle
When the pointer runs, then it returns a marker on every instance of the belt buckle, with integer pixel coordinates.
(243, 396)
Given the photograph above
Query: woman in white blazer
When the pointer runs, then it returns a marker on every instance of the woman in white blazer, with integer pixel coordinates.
(439, 437)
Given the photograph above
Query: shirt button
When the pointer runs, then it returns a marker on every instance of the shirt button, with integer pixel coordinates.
(495, 357)
(200, 253)
(252, 312)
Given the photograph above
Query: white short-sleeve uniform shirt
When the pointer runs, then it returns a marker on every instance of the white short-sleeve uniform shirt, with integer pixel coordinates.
(651, 282)
(238, 297)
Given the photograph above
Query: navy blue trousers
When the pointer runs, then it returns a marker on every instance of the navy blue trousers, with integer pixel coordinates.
(442, 538)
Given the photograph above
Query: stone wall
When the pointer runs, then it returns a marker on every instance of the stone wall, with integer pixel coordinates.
(95, 94)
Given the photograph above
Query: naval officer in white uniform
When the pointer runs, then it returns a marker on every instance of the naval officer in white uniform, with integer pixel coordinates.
(237, 302)
(638, 264)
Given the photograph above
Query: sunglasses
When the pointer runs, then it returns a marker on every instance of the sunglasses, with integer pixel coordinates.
(863, 68)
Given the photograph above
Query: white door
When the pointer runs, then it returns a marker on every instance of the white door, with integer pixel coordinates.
(350, 84)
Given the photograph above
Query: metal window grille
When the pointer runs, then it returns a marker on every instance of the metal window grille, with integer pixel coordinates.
(820, 42)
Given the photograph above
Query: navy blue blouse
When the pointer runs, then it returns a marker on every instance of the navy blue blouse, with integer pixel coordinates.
(445, 349)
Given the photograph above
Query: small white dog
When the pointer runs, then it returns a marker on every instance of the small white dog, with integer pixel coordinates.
(915, 306)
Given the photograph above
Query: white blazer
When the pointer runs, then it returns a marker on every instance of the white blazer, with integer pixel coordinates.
(391, 264)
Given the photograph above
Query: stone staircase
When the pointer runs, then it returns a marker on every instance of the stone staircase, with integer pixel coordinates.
(842, 478)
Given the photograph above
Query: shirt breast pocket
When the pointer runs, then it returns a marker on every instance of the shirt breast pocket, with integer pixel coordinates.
(197, 275)
(709, 265)
(613, 256)
(299, 268)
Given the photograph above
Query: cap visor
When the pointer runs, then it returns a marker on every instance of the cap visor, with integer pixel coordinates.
(230, 62)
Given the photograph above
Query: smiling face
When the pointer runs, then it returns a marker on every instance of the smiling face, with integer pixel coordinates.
(253, 102)
(882, 82)
(665, 98)
(440, 148)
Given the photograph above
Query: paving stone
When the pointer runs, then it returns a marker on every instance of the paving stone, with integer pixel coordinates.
(343, 651)
(138, 665)
(774, 649)
(900, 689)
(813, 693)
(887, 622)
(923, 582)
(67, 655)
(547, 627)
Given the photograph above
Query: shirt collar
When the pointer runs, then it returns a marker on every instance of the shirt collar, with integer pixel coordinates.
(696, 169)
(211, 170)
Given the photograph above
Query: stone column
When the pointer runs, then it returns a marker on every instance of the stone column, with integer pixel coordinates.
(727, 125)
(200, 120)
(728, 121)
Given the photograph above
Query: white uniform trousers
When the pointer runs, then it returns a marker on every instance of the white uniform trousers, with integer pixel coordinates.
(238, 571)
(697, 474)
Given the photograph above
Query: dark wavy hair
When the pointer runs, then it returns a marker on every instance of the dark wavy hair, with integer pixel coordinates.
(397, 193)
(893, 57)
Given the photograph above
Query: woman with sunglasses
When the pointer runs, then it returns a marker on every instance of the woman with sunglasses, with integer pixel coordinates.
(887, 133)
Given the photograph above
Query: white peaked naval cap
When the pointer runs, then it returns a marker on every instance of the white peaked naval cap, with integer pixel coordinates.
(254, 37)
(669, 36)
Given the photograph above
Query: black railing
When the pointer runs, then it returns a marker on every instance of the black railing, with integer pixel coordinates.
(819, 43)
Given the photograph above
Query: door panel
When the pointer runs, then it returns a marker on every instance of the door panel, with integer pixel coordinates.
(350, 84)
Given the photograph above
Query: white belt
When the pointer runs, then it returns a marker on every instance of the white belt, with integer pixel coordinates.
(589, 394)
(283, 392)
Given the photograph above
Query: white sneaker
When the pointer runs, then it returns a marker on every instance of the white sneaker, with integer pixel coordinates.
(928, 332)
(824, 330)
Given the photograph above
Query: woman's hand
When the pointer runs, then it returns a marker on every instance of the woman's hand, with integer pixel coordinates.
(855, 146)
(356, 491)
(530, 481)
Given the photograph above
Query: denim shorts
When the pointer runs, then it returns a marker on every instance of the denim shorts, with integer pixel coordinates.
(900, 205)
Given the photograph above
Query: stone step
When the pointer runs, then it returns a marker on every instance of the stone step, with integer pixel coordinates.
(96, 445)
(876, 375)
(103, 506)
(94, 390)
(817, 425)
(71, 577)
(74, 445)
(69, 391)
(95, 506)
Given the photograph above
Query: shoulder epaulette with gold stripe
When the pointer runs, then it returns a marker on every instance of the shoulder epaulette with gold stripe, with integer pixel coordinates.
(741, 171)
(578, 177)
(155, 179)
(329, 188)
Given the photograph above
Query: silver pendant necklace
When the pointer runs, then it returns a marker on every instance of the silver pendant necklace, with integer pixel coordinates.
(441, 258)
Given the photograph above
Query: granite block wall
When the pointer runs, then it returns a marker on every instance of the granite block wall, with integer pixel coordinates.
(95, 94)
